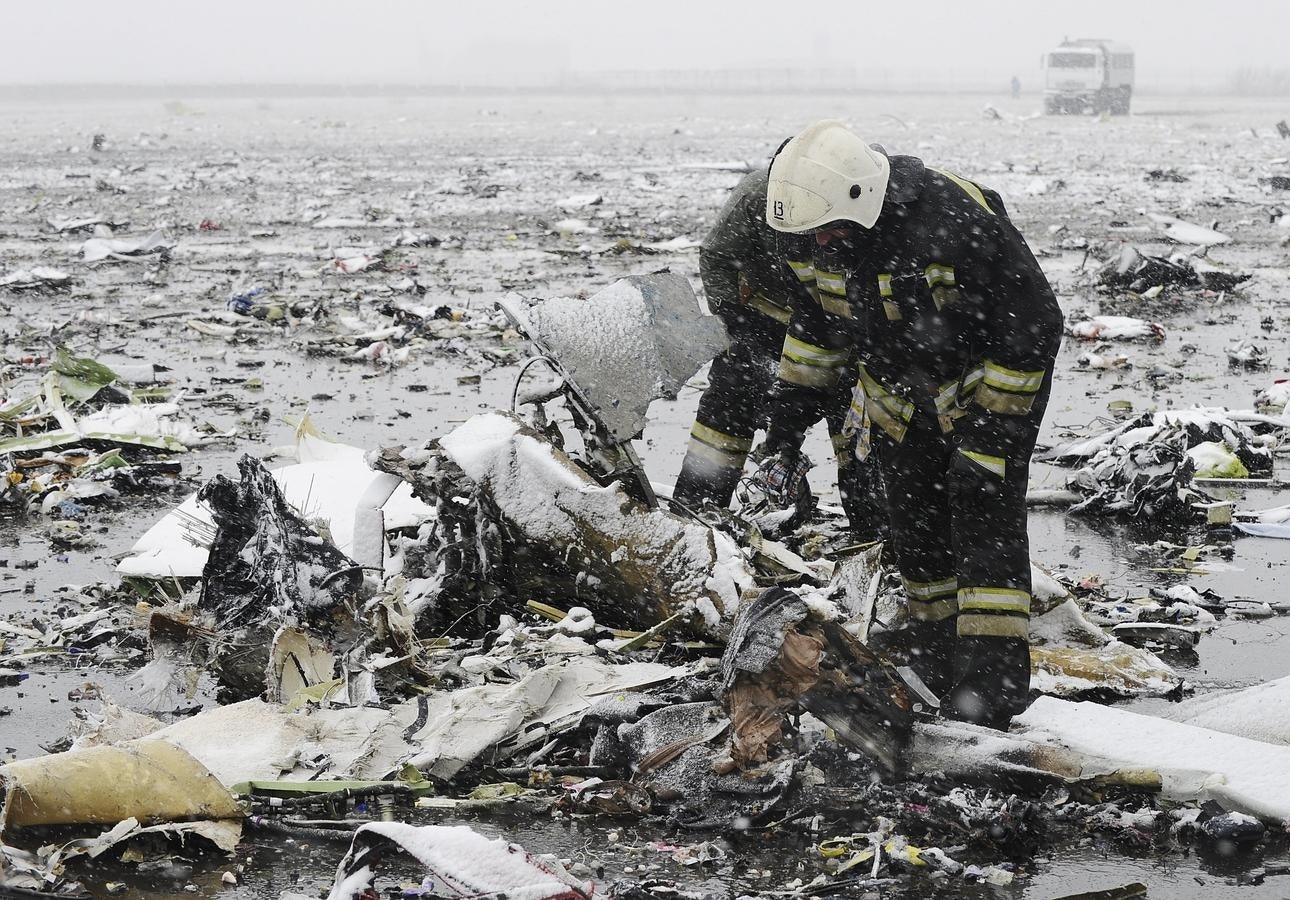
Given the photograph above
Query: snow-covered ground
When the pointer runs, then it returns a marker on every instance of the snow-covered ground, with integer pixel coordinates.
(551, 196)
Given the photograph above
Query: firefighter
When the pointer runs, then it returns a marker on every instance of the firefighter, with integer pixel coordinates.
(749, 287)
(918, 277)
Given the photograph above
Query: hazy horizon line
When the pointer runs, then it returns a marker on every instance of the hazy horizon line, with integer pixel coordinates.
(175, 89)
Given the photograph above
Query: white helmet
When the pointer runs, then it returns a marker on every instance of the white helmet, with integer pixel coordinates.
(823, 175)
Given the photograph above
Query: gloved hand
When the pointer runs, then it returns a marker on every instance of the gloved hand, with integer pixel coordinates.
(782, 477)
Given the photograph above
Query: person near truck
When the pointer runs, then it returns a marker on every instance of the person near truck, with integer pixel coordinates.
(918, 278)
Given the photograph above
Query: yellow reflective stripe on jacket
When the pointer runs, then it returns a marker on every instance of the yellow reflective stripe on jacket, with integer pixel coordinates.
(889, 307)
(805, 271)
(1002, 402)
(771, 309)
(812, 355)
(939, 273)
(874, 392)
(720, 440)
(932, 610)
(994, 599)
(1016, 380)
(836, 305)
(885, 420)
(989, 625)
(968, 188)
(932, 601)
(996, 465)
(810, 366)
(832, 293)
(931, 590)
(949, 392)
(833, 282)
(994, 612)
(715, 457)
(807, 375)
(887, 411)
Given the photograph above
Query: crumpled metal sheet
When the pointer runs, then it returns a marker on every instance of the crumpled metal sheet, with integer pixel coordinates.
(673, 752)
(150, 780)
(757, 637)
(500, 718)
(1146, 469)
(640, 338)
(458, 861)
(267, 566)
(546, 529)
(1138, 272)
(777, 659)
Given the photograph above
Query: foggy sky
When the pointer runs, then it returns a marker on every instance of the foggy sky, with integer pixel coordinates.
(503, 41)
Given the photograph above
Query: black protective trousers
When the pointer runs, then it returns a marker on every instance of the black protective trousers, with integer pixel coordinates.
(730, 412)
(959, 531)
(732, 409)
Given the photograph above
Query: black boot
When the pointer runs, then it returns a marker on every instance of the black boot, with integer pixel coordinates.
(931, 653)
(702, 483)
(865, 499)
(991, 681)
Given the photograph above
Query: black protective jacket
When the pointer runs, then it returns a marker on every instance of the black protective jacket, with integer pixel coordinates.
(942, 303)
(741, 246)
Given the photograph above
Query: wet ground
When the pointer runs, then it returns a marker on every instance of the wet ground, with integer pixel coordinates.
(487, 176)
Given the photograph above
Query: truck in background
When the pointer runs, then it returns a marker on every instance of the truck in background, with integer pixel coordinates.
(1088, 75)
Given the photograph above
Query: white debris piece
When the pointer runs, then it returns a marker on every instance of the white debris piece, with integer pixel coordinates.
(460, 863)
(153, 419)
(343, 222)
(35, 277)
(551, 501)
(672, 245)
(1214, 459)
(1260, 529)
(1234, 424)
(1187, 232)
(1246, 353)
(462, 724)
(332, 483)
(1195, 763)
(1069, 655)
(638, 339)
(361, 742)
(352, 265)
(157, 425)
(1273, 398)
(64, 226)
(580, 201)
(572, 226)
(578, 620)
(1124, 328)
(733, 165)
(1103, 361)
(1261, 712)
(98, 249)
(1275, 515)
(1045, 590)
